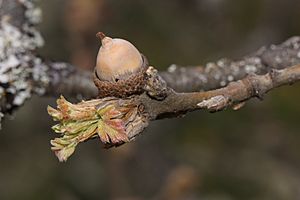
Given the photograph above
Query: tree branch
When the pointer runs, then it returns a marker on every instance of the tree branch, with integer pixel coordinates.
(235, 93)
(214, 74)
(23, 73)
(116, 121)
(219, 74)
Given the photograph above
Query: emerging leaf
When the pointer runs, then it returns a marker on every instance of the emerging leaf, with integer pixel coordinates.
(105, 118)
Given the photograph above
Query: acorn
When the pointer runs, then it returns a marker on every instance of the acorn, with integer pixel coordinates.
(120, 68)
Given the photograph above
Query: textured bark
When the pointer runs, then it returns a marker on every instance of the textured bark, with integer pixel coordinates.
(218, 74)
(236, 93)
(23, 73)
(119, 120)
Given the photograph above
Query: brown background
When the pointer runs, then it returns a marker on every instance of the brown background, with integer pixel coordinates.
(249, 154)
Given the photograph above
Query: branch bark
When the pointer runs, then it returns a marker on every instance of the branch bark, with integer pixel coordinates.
(218, 74)
(215, 86)
(212, 75)
(22, 71)
(117, 121)
(235, 93)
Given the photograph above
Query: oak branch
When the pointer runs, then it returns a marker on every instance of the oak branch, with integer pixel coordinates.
(214, 86)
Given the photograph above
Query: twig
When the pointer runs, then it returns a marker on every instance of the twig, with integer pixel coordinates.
(117, 121)
(214, 100)
(218, 74)
(23, 73)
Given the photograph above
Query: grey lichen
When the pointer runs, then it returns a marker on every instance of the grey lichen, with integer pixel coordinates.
(219, 74)
(18, 63)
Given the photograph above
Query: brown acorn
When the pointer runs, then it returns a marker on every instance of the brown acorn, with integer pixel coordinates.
(120, 68)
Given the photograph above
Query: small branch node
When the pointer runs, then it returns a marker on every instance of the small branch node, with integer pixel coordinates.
(155, 87)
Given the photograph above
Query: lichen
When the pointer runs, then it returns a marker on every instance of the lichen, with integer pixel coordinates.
(172, 68)
(14, 72)
(18, 64)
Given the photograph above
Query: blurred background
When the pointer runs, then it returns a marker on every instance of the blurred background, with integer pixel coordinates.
(249, 154)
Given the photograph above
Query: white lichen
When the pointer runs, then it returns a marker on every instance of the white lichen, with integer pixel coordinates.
(230, 78)
(222, 62)
(273, 47)
(203, 78)
(172, 68)
(209, 67)
(250, 69)
(278, 59)
(217, 76)
(18, 64)
(235, 70)
(293, 42)
(223, 83)
(32, 13)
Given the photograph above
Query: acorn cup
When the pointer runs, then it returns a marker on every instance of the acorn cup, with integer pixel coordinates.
(120, 70)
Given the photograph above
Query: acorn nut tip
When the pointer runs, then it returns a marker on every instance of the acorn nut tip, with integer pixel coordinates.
(100, 35)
